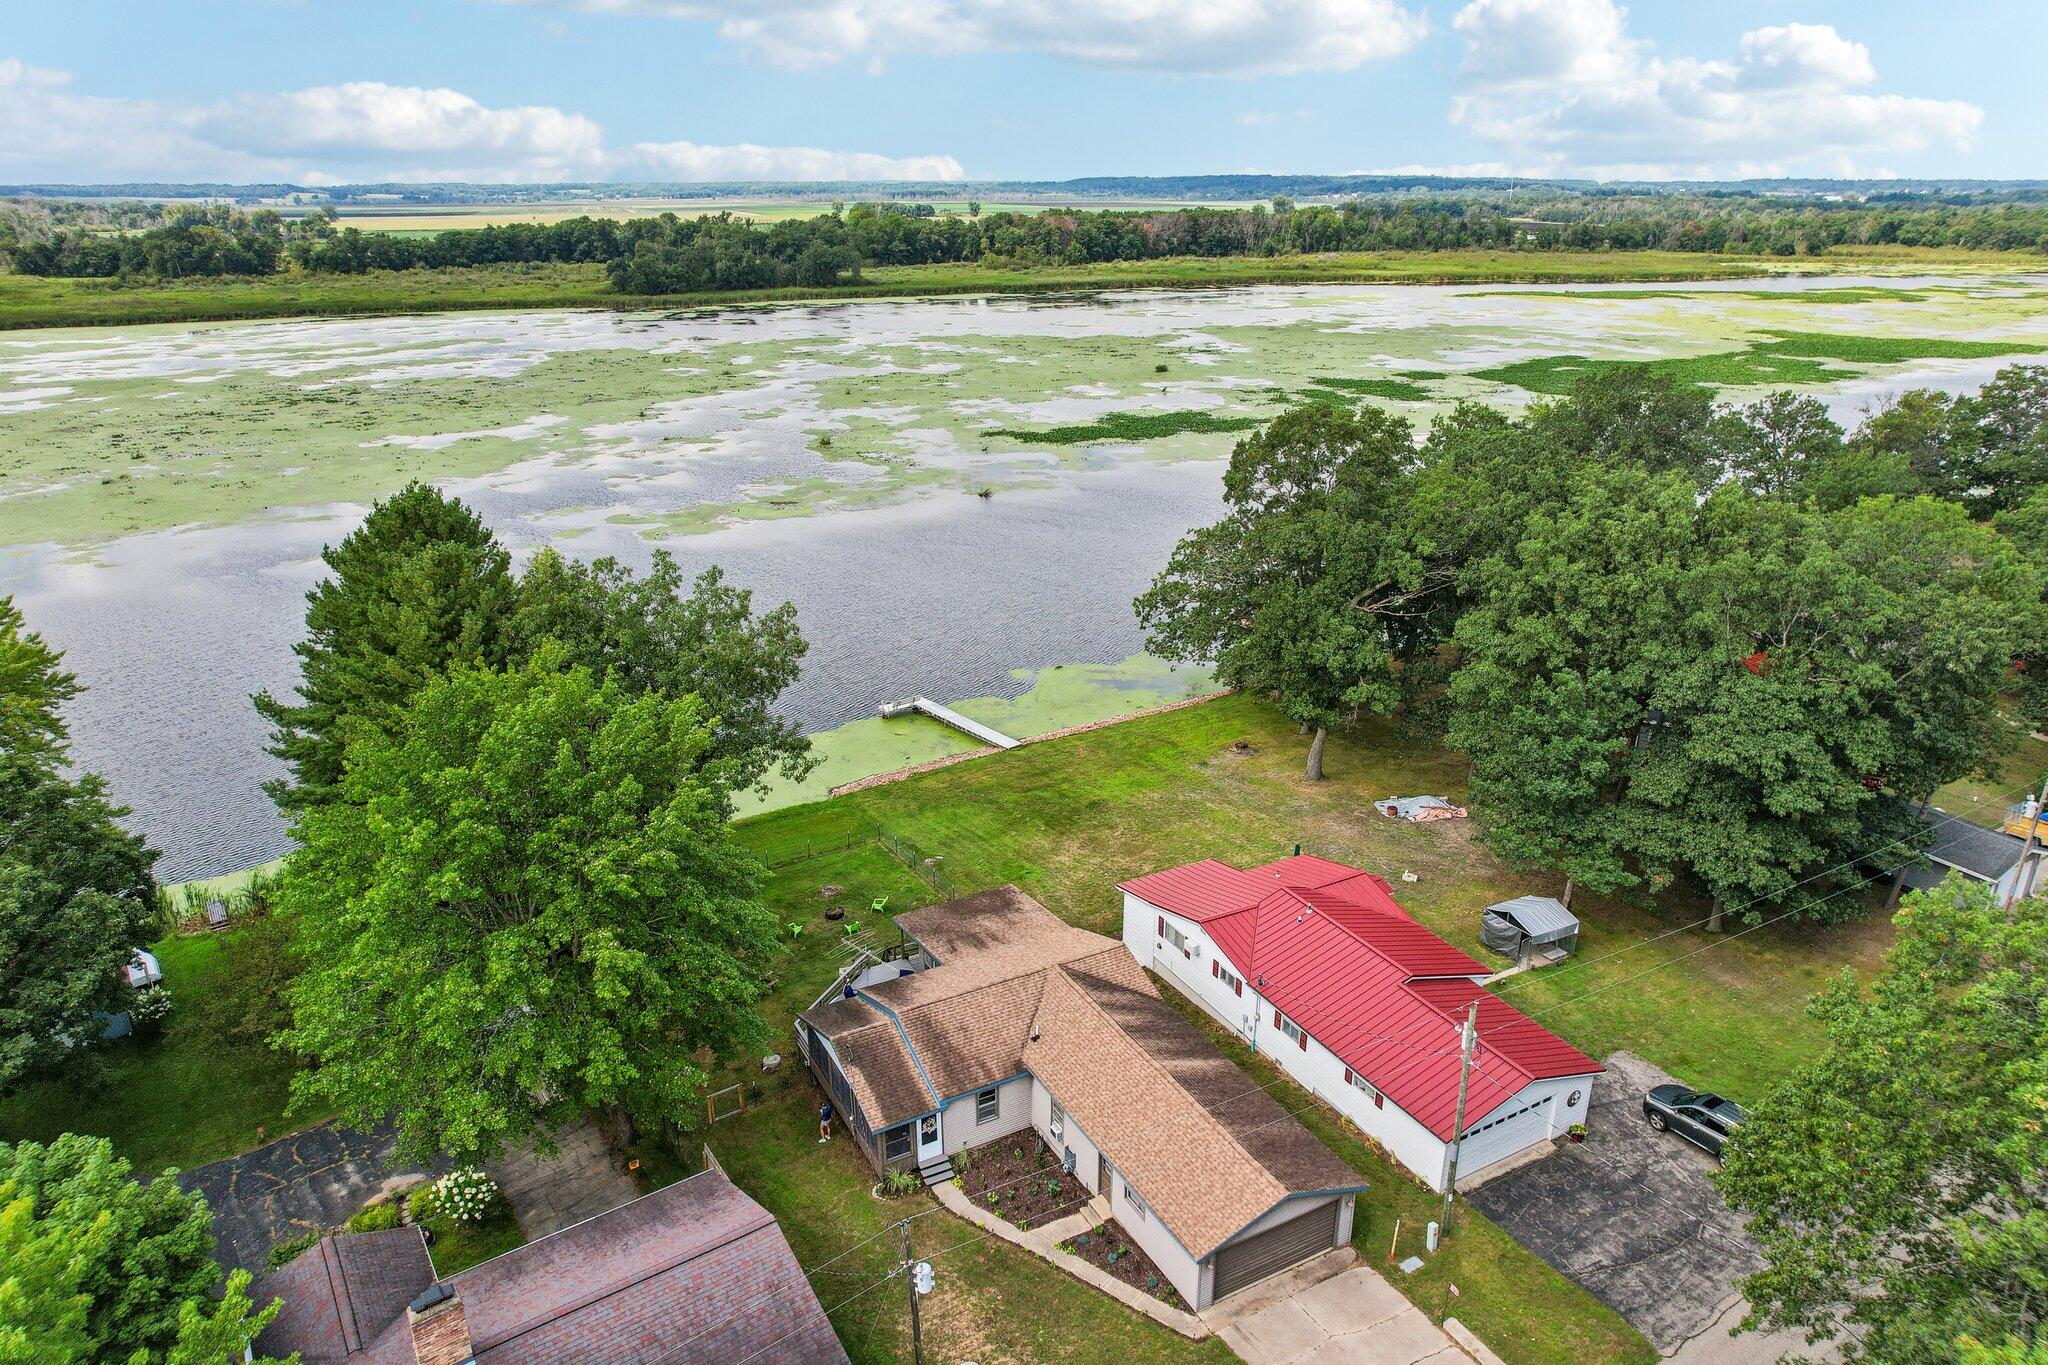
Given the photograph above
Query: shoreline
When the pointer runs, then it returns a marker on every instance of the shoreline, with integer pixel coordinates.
(38, 302)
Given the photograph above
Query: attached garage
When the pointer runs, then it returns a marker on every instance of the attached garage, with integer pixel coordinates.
(1266, 1253)
(1520, 1123)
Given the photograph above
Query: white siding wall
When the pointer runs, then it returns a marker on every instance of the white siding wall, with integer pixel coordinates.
(1180, 1269)
(1317, 1069)
(1087, 1160)
(957, 1128)
(1561, 1117)
(1190, 975)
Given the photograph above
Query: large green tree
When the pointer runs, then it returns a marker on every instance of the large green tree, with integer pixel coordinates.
(654, 633)
(77, 893)
(525, 898)
(33, 688)
(419, 587)
(1302, 591)
(1898, 1185)
(139, 1256)
(1573, 625)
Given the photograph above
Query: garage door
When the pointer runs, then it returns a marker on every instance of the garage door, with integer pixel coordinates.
(1275, 1249)
(1518, 1124)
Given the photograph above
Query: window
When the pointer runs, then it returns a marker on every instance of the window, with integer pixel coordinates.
(1059, 1120)
(1174, 936)
(896, 1143)
(1291, 1029)
(1228, 977)
(988, 1106)
(1138, 1206)
(1352, 1078)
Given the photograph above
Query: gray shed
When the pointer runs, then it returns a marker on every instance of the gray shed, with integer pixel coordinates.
(1529, 924)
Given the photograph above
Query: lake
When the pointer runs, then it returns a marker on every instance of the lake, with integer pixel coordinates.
(953, 493)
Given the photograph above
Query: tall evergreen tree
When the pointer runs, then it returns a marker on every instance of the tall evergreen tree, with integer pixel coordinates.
(420, 586)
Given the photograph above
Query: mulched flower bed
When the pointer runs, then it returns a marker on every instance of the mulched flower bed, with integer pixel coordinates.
(1020, 1180)
(1110, 1248)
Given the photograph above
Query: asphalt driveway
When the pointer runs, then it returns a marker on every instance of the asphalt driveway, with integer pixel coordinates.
(1632, 1215)
(304, 1183)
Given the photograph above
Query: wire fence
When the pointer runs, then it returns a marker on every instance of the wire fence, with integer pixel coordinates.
(924, 867)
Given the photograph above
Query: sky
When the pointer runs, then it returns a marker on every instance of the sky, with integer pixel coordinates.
(678, 90)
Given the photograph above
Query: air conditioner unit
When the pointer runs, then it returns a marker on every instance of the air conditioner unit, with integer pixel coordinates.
(1196, 949)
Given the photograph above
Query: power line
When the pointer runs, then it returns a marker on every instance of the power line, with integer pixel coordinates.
(1826, 871)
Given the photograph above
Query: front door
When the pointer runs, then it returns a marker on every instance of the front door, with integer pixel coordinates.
(929, 1144)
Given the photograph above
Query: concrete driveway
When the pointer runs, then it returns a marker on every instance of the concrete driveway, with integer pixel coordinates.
(1632, 1215)
(1310, 1316)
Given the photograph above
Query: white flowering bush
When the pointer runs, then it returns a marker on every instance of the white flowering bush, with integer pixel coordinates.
(150, 1009)
(465, 1194)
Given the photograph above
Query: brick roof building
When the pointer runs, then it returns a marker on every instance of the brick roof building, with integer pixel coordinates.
(696, 1271)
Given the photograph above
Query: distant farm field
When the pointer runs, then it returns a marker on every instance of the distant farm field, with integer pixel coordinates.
(448, 217)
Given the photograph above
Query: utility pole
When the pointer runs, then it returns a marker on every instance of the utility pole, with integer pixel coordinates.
(1468, 1042)
(910, 1284)
(2025, 871)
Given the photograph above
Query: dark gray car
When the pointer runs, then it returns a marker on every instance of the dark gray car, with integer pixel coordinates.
(1707, 1121)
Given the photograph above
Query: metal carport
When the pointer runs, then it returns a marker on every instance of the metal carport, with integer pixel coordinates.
(1528, 925)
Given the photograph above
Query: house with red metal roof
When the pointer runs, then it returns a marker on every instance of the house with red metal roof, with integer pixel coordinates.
(1317, 966)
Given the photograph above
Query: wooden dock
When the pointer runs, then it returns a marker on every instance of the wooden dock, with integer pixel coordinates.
(946, 715)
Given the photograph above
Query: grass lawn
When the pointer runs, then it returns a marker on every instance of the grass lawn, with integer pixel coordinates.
(182, 1099)
(1069, 818)
(993, 1302)
(29, 301)
(458, 1246)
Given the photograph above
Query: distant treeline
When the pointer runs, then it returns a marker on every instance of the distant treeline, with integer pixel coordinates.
(672, 255)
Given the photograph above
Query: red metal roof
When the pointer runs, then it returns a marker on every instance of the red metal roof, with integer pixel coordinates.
(1198, 891)
(1384, 994)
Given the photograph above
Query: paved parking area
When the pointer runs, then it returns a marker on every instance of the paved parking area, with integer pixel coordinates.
(307, 1182)
(1352, 1318)
(1632, 1215)
(581, 1180)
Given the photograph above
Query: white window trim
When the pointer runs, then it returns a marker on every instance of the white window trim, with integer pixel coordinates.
(994, 1096)
(1135, 1200)
(1057, 1123)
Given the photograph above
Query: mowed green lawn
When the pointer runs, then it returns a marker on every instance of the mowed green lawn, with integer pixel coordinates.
(182, 1099)
(1066, 820)
(1070, 818)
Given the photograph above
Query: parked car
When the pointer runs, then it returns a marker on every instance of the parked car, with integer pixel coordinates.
(1707, 1121)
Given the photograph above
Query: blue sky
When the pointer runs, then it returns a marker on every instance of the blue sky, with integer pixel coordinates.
(1041, 89)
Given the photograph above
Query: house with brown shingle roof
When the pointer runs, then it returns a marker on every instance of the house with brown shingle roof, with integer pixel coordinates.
(696, 1271)
(1005, 1018)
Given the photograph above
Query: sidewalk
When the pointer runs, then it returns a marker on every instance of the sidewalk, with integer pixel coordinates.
(1044, 1242)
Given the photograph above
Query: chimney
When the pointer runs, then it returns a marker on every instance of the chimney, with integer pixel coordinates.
(440, 1331)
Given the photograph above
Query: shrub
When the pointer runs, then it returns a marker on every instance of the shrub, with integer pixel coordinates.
(150, 1010)
(375, 1218)
(284, 1251)
(901, 1183)
(419, 1205)
(465, 1194)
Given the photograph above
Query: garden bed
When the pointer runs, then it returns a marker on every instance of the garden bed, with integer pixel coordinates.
(1018, 1179)
(1110, 1249)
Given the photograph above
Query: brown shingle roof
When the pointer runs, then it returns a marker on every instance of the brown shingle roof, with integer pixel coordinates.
(1206, 1149)
(966, 1019)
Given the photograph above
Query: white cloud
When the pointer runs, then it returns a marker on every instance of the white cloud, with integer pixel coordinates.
(405, 132)
(694, 161)
(1191, 37)
(366, 131)
(1563, 87)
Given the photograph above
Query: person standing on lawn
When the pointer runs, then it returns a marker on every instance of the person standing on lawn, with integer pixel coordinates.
(824, 1123)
